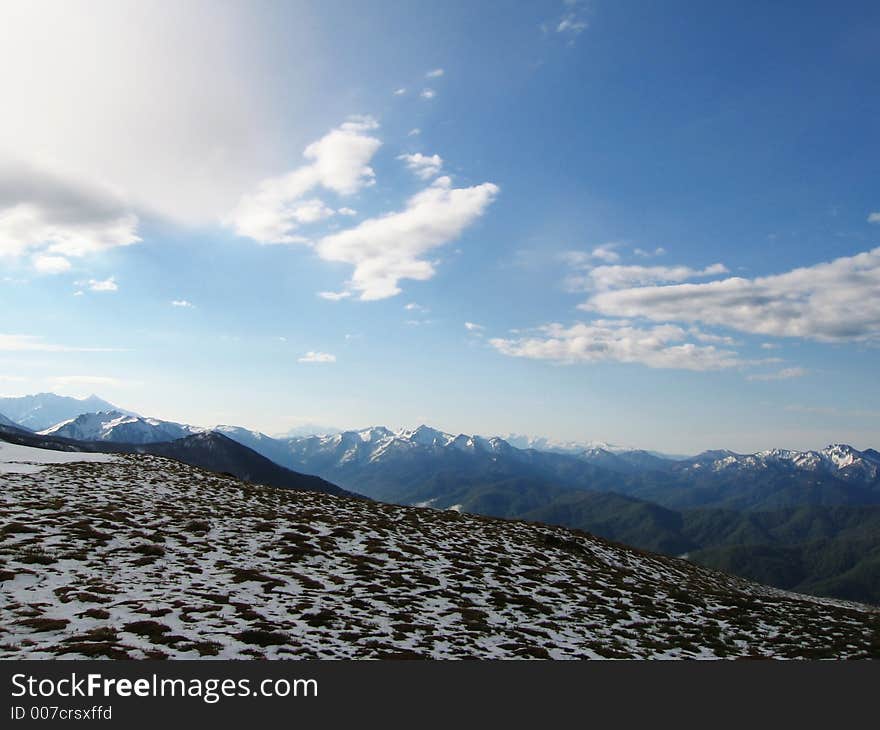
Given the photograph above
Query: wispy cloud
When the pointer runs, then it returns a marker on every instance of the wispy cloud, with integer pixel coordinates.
(183, 303)
(35, 343)
(874, 217)
(603, 278)
(434, 74)
(832, 302)
(428, 93)
(317, 357)
(99, 380)
(662, 346)
(399, 91)
(784, 374)
(334, 296)
(100, 285)
(643, 253)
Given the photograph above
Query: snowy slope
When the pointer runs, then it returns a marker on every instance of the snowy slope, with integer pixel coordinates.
(15, 459)
(145, 557)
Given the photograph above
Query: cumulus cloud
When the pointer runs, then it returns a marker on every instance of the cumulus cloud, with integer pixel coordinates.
(423, 166)
(389, 248)
(45, 264)
(337, 162)
(41, 210)
(831, 302)
(434, 74)
(661, 346)
(317, 357)
(783, 374)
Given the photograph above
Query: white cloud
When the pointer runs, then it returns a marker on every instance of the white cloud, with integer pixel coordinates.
(317, 357)
(104, 285)
(783, 374)
(413, 307)
(661, 346)
(389, 248)
(472, 326)
(435, 74)
(423, 166)
(43, 211)
(428, 93)
(874, 217)
(833, 301)
(415, 131)
(310, 211)
(142, 94)
(347, 211)
(603, 278)
(34, 343)
(337, 162)
(183, 303)
(399, 92)
(702, 336)
(606, 253)
(46, 264)
(334, 296)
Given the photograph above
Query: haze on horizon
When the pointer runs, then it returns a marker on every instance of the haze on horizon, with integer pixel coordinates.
(656, 226)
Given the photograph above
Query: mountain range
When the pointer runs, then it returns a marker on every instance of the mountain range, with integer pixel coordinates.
(801, 520)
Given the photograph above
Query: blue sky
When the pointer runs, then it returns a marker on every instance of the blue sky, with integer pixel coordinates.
(655, 224)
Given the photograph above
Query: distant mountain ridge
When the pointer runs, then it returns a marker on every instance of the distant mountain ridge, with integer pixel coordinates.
(206, 450)
(44, 410)
(119, 427)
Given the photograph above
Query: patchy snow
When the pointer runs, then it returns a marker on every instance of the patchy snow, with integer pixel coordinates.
(139, 556)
